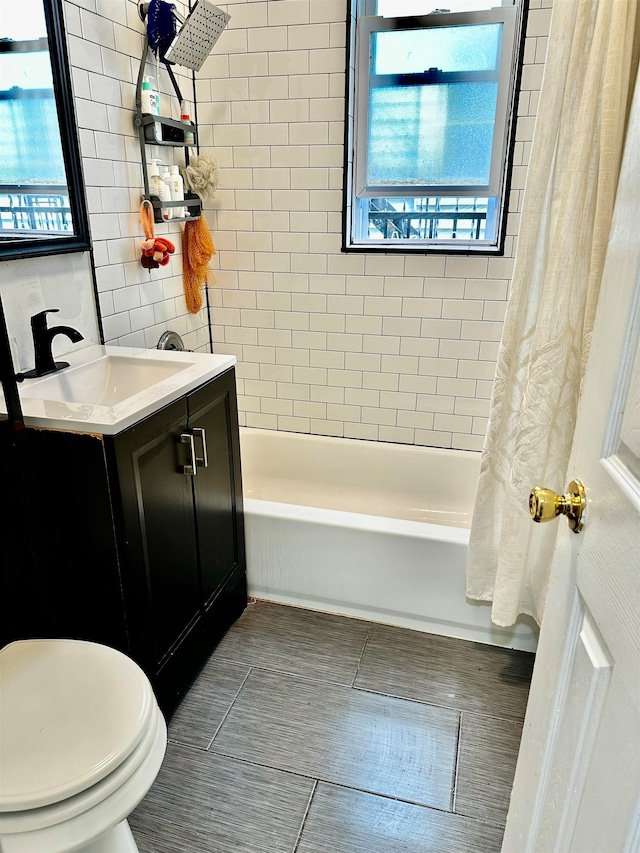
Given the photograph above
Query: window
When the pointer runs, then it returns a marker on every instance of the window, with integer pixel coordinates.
(42, 207)
(430, 127)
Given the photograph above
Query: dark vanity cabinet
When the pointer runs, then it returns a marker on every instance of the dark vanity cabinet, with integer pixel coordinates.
(149, 528)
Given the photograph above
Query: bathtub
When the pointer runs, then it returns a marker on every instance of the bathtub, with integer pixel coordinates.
(373, 530)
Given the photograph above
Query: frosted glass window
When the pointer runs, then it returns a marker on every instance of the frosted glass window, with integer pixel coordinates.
(438, 135)
(433, 125)
(470, 48)
(399, 8)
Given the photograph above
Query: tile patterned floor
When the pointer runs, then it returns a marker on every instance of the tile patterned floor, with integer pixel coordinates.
(312, 733)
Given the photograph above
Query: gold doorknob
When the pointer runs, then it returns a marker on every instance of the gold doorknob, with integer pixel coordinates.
(545, 504)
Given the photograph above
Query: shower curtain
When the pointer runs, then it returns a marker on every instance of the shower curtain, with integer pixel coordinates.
(568, 202)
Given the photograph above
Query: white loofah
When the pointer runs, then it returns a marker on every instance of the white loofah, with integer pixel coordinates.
(201, 176)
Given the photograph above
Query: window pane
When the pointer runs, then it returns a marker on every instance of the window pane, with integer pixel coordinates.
(402, 8)
(34, 198)
(438, 135)
(24, 118)
(429, 218)
(23, 19)
(464, 48)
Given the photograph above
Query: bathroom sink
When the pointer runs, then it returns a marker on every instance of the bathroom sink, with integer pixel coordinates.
(106, 381)
(107, 389)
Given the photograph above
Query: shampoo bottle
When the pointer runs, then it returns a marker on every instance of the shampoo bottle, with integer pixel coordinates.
(150, 98)
(177, 191)
(158, 187)
(189, 135)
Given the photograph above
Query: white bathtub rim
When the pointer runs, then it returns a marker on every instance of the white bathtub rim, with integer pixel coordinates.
(358, 521)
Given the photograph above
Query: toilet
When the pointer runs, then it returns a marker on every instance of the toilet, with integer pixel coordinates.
(81, 741)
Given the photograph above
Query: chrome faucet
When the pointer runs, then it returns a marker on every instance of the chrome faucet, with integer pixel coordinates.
(42, 343)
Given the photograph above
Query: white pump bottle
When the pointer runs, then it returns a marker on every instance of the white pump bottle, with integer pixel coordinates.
(168, 212)
(159, 187)
(177, 191)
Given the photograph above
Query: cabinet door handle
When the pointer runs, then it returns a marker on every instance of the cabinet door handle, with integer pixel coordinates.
(192, 469)
(201, 460)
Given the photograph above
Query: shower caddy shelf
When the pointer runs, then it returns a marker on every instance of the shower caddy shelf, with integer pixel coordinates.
(160, 130)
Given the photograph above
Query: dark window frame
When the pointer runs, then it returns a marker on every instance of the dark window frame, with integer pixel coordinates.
(358, 8)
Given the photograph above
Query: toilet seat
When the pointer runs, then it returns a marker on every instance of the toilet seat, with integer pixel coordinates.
(103, 736)
(71, 713)
(79, 804)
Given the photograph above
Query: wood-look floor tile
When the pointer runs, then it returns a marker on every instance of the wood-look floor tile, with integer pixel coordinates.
(326, 731)
(445, 671)
(202, 709)
(487, 765)
(206, 803)
(301, 642)
(342, 820)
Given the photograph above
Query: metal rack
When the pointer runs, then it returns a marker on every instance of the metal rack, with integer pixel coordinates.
(158, 130)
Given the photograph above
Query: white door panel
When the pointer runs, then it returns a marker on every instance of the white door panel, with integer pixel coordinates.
(577, 783)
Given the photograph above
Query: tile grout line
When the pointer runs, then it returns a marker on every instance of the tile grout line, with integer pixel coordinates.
(228, 711)
(304, 816)
(315, 678)
(432, 704)
(454, 786)
(364, 647)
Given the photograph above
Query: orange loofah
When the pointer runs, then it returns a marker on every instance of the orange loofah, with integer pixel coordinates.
(197, 251)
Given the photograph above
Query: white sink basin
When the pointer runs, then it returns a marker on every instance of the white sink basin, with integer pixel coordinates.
(107, 389)
(105, 382)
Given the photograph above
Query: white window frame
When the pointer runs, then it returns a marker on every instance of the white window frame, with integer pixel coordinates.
(511, 15)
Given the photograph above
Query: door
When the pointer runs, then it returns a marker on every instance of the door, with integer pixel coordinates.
(161, 571)
(217, 485)
(577, 783)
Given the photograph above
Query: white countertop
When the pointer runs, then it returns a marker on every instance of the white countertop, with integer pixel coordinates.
(112, 419)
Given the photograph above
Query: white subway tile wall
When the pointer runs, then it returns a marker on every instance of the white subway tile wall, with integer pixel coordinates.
(381, 347)
(105, 40)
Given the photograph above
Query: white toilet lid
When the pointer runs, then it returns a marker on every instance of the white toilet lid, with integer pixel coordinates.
(70, 713)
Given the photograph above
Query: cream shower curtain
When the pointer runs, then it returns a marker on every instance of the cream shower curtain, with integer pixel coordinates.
(568, 202)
